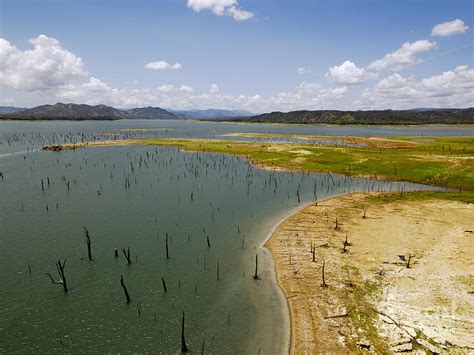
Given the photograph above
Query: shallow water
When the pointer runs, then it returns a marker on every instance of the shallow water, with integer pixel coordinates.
(16, 135)
(132, 197)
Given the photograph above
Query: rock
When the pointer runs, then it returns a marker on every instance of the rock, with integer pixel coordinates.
(364, 344)
(426, 344)
(400, 341)
(401, 348)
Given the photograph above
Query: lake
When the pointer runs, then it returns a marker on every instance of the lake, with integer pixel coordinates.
(139, 197)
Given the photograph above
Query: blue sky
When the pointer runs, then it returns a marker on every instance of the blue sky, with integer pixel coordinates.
(238, 54)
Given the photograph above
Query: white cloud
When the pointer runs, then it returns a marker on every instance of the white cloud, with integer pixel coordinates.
(6, 101)
(402, 57)
(239, 14)
(91, 92)
(46, 66)
(220, 8)
(303, 71)
(449, 28)
(453, 88)
(451, 82)
(214, 90)
(306, 95)
(185, 88)
(166, 88)
(163, 65)
(59, 75)
(348, 73)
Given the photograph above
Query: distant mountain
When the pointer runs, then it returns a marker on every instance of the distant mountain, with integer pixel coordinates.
(149, 112)
(211, 113)
(439, 116)
(10, 109)
(430, 109)
(79, 112)
(74, 112)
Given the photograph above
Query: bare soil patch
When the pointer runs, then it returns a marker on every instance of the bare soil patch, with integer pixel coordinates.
(404, 282)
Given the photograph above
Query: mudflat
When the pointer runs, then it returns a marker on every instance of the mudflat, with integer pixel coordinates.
(398, 273)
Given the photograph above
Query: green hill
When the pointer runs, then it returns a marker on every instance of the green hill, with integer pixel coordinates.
(149, 112)
(74, 112)
(425, 116)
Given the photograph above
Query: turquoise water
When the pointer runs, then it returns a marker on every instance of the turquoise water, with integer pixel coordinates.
(134, 197)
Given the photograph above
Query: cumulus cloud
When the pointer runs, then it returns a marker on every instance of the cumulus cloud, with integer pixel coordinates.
(449, 28)
(453, 88)
(91, 92)
(306, 95)
(58, 74)
(166, 88)
(214, 90)
(303, 71)
(185, 88)
(348, 73)
(402, 57)
(221, 7)
(163, 65)
(451, 82)
(46, 66)
(239, 14)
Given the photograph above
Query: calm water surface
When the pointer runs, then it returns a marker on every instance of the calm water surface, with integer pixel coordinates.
(134, 197)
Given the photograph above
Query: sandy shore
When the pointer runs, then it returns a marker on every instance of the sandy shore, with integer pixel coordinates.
(373, 301)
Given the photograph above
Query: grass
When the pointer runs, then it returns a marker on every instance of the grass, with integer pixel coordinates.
(360, 300)
(439, 161)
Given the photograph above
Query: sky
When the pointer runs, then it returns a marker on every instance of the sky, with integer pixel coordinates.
(255, 55)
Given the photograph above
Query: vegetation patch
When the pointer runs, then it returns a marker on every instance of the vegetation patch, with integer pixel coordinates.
(439, 161)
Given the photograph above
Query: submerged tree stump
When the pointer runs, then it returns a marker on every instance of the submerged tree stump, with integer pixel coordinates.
(184, 347)
(62, 278)
(88, 242)
(255, 277)
(125, 291)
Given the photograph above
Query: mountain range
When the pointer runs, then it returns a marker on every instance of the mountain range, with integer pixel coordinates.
(373, 117)
(77, 112)
(211, 113)
(10, 109)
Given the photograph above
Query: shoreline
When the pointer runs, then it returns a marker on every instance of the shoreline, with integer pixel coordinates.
(412, 168)
(372, 297)
(276, 285)
(267, 248)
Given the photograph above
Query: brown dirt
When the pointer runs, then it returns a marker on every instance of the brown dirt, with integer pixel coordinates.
(373, 302)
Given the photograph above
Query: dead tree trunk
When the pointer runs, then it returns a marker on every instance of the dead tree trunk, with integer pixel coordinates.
(408, 261)
(324, 278)
(62, 277)
(255, 277)
(164, 284)
(346, 244)
(184, 347)
(127, 296)
(126, 253)
(88, 241)
(167, 248)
